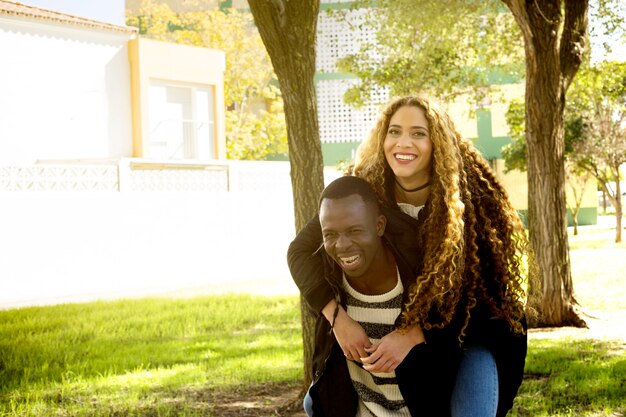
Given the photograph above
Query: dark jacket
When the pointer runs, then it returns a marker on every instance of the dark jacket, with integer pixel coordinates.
(508, 348)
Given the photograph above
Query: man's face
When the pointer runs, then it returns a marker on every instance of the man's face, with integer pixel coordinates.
(352, 233)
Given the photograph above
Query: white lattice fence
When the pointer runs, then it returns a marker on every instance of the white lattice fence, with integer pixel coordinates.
(130, 175)
(59, 178)
(340, 33)
(339, 122)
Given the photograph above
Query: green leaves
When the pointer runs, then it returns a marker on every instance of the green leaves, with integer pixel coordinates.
(438, 48)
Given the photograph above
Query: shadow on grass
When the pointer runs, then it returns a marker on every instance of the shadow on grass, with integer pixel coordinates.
(565, 377)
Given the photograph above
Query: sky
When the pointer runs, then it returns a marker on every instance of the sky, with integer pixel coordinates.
(112, 11)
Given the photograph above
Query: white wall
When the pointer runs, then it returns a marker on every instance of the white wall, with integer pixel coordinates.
(65, 92)
(75, 246)
(70, 246)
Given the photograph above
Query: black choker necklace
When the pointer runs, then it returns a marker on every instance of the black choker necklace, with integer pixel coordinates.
(411, 190)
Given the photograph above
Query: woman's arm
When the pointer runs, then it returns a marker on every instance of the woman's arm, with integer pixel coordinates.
(306, 264)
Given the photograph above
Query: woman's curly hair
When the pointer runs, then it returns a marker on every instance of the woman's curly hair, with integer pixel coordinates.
(475, 249)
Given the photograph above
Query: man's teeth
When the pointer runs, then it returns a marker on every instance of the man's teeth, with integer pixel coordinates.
(350, 260)
(405, 157)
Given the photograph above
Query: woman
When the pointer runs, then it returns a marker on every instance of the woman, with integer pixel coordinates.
(472, 247)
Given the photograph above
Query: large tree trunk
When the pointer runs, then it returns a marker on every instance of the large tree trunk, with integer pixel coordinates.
(288, 29)
(554, 44)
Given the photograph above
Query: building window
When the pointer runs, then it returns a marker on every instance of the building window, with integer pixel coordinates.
(181, 121)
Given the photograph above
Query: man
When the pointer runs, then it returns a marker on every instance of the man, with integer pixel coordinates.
(370, 279)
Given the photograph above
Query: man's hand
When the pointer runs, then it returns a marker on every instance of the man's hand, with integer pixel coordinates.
(349, 334)
(386, 354)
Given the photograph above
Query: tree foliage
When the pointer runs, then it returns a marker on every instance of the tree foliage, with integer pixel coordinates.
(442, 49)
(595, 129)
(255, 125)
(608, 24)
(515, 153)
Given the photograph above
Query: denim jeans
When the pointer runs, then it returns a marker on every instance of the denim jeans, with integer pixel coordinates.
(308, 403)
(475, 392)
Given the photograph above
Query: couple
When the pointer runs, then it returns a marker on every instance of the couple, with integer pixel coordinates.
(419, 288)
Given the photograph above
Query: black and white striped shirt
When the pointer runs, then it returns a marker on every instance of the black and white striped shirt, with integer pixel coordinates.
(379, 395)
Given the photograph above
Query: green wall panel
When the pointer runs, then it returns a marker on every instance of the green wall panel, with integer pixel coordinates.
(334, 153)
(587, 216)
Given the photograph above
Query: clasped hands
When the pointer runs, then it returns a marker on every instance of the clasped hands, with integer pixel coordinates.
(385, 355)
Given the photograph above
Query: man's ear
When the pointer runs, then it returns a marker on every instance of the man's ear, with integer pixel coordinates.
(381, 223)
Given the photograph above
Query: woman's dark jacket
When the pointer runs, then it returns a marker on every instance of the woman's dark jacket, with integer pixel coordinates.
(420, 366)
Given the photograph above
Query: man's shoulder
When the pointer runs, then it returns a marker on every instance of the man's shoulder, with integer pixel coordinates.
(398, 222)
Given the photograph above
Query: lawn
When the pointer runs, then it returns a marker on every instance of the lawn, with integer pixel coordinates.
(149, 357)
(241, 355)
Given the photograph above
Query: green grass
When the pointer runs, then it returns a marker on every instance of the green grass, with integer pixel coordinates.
(569, 377)
(583, 375)
(147, 357)
(177, 357)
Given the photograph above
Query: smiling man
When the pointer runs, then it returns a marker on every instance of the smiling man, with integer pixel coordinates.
(392, 373)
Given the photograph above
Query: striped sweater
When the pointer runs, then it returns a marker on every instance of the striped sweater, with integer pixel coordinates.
(379, 395)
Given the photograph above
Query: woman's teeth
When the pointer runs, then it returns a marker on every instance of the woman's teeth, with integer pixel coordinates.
(405, 157)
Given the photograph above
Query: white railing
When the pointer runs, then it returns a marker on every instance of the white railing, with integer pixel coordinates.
(136, 174)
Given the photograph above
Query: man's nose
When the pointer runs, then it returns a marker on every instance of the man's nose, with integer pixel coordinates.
(343, 242)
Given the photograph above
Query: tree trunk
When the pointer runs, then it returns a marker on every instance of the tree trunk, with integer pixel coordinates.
(618, 210)
(288, 29)
(553, 45)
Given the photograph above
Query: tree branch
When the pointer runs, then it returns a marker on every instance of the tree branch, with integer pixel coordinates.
(574, 40)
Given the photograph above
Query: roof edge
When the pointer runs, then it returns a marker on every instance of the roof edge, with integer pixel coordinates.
(9, 8)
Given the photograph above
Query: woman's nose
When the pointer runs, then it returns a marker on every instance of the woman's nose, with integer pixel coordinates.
(404, 141)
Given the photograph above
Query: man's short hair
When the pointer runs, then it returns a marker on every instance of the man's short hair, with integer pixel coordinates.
(349, 185)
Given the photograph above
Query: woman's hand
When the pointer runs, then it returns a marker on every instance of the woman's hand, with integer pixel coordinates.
(349, 334)
(386, 354)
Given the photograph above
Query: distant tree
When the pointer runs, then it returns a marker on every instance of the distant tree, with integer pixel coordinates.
(255, 124)
(288, 29)
(514, 154)
(577, 180)
(599, 97)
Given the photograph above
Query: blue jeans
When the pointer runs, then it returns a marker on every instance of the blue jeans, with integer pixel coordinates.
(308, 403)
(475, 392)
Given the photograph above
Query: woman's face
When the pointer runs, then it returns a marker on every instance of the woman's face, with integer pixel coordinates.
(407, 146)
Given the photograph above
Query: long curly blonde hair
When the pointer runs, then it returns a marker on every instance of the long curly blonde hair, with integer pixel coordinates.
(475, 248)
